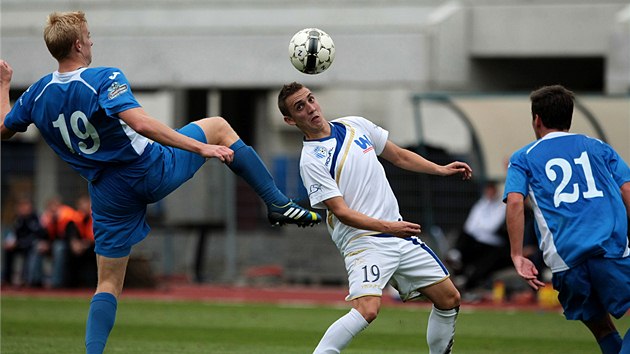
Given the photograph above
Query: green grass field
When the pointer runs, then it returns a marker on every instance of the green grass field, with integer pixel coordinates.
(54, 325)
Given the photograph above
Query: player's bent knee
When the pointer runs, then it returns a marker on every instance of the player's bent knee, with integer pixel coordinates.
(217, 124)
(218, 131)
(449, 301)
(368, 307)
(368, 314)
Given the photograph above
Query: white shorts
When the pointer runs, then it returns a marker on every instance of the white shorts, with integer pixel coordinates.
(407, 264)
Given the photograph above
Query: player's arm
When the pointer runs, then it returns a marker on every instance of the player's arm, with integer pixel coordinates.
(625, 195)
(353, 218)
(409, 160)
(6, 72)
(515, 217)
(140, 121)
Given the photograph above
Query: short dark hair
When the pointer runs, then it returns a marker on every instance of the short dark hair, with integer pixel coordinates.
(554, 105)
(286, 91)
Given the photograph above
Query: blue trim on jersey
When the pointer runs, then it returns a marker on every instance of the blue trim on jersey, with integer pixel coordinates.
(383, 235)
(338, 131)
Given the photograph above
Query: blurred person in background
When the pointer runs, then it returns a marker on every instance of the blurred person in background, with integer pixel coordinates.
(342, 174)
(82, 259)
(59, 220)
(579, 189)
(21, 241)
(482, 247)
(91, 119)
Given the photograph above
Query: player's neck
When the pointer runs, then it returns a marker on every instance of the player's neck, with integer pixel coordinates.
(70, 65)
(544, 132)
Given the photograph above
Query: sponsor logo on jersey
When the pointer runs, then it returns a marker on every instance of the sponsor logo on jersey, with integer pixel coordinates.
(314, 188)
(364, 143)
(330, 155)
(20, 99)
(116, 90)
(113, 76)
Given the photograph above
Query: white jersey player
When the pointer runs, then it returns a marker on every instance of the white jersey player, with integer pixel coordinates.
(341, 172)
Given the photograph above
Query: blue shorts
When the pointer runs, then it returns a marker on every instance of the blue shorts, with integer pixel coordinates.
(593, 288)
(120, 195)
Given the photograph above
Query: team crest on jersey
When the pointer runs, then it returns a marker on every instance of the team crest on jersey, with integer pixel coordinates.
(116, 90)
(320, 152)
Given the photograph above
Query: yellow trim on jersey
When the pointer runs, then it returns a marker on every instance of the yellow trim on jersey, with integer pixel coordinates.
(329, 219)
(345, 153)
(348, 298)
(354, 253)
(363, 235)
(434, 283)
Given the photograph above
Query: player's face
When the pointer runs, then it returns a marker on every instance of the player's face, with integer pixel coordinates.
(306, 114)
(86, 46)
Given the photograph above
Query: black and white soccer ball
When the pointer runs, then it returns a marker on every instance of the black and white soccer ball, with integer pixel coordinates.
(311, 51)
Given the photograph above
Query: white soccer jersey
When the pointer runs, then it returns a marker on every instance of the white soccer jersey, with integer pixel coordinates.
(346, 164)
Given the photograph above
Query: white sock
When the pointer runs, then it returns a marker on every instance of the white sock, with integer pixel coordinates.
(340, 333)
(441, 330)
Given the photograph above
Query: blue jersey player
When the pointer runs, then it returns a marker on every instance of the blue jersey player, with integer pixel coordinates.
(91, 119)
(579, 188)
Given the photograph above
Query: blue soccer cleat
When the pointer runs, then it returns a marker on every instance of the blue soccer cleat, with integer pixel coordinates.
(292, 213)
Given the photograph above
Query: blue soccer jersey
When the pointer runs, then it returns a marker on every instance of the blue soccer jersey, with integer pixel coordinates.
(573, 182)
(74, 110)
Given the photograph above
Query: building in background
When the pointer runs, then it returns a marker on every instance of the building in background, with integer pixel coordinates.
(448, 77)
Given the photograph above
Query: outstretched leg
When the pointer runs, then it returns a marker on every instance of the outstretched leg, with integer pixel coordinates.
(248, 165)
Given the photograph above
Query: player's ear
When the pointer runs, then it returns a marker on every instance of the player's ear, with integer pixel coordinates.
(537, 121)
(289, 120)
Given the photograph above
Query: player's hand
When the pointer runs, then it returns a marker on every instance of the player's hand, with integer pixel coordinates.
(223, 153)
(527, 270)
(458, 167)
(6, 72)
(404, 229)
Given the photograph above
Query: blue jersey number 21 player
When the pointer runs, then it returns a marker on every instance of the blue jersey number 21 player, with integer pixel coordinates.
(579, 188)
(91, 119)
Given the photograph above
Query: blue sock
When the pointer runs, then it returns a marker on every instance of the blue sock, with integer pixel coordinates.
(610, 344)
(100, 322)
(248, 165)
(625, 346)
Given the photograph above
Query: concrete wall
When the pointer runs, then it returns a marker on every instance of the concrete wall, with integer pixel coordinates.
(386, 52)
(416, 45)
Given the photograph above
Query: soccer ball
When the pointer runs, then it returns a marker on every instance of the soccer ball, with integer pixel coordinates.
(311, 51)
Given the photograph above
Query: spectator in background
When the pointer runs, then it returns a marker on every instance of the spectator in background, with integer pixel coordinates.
(21, 241)
(59, 221)
(482, 248)
(82, 259)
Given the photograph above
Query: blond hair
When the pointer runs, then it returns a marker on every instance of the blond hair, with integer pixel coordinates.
(62, 30)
